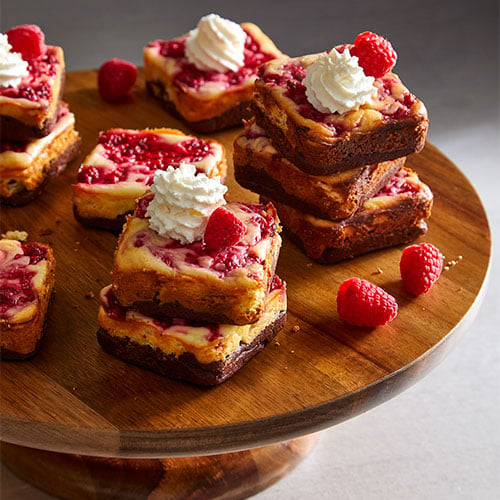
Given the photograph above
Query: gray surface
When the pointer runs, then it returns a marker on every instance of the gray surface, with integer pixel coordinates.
(439, 439)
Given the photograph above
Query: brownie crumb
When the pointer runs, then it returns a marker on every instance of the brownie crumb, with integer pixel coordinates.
(77, 242)
(89, 295)
(58, 220)
(46, 232)
(15, 235)
(295, 328)
(309, 264)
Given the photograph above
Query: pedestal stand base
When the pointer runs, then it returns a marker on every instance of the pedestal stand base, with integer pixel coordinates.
(226, 476)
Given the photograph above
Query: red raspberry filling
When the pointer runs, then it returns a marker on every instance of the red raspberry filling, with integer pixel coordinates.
(290, 76)
(192, 77)
(222, 260)
(37, 85)
(398, 185)
(16, 287)
(147, 150)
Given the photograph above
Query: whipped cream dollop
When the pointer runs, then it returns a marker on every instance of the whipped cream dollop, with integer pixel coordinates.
(12, 66)
(216, 44)
(183, 201)
(336, 83)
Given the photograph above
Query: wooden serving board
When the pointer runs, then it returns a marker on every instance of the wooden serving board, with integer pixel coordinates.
(73, 397)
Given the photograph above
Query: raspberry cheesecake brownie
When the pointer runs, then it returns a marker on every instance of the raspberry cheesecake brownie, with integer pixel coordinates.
(207, 76)
(26, 166)
(187, 254)
(194, 351)
(121, 169)
(396, 214)
(334, 111)
(27, 275)
(31, 84)
(258, 166)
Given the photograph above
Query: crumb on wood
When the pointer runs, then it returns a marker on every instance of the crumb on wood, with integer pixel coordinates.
(73, 388)
(15, 235)
(292, 351)
(309, 264)
(378, 271)
(58, 220)
(77, 242)
(89, 295)
(295, 328)
(53, 415)
(46, 232)
(276, 343)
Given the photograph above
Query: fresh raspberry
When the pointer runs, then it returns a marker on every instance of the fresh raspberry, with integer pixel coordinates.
(28, 40)
(376, 55)
(116, 79)
(223, 229)
(420, 267)
(362, 303)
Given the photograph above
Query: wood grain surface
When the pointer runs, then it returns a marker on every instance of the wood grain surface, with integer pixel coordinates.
(75, 398)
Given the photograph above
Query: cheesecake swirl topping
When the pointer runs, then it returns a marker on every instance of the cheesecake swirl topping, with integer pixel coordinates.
(216, 44)
(12, 66)
(336, 83)
(183, 201)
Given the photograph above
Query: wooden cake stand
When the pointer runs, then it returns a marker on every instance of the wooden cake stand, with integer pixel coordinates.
(79, 423)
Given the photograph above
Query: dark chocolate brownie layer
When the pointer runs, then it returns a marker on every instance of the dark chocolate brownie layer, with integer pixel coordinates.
(24, 196)
(397, 220)
(385, 143)
(260, 182)
(186, 367)
(230, 118)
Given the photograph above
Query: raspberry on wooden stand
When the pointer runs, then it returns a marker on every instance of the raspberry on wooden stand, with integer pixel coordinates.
(116, 78)
(361, 303)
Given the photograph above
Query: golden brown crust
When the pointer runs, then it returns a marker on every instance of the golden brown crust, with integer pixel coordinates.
(323, 157)
(21, 340)
(259, 167)
(192, 106)
(21, 120)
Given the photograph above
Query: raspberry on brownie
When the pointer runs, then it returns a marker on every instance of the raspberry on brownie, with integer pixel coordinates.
(396, 214)
(258, 166)
(121, 168)
(326, 113)
(31, 84)
(207, 76)
(27, 275)
(168, 261)
(196, 351)
(25, 166)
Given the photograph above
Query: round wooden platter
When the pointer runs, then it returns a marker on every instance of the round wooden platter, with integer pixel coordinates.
(74, 398)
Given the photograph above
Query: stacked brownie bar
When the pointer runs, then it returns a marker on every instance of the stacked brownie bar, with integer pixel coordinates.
(37, 134)
(194, 308)
(337, 177)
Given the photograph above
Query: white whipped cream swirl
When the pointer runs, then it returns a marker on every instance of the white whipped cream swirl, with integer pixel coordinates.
(217, 44)
(336, 83)
(12, 66)
(183, 201)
